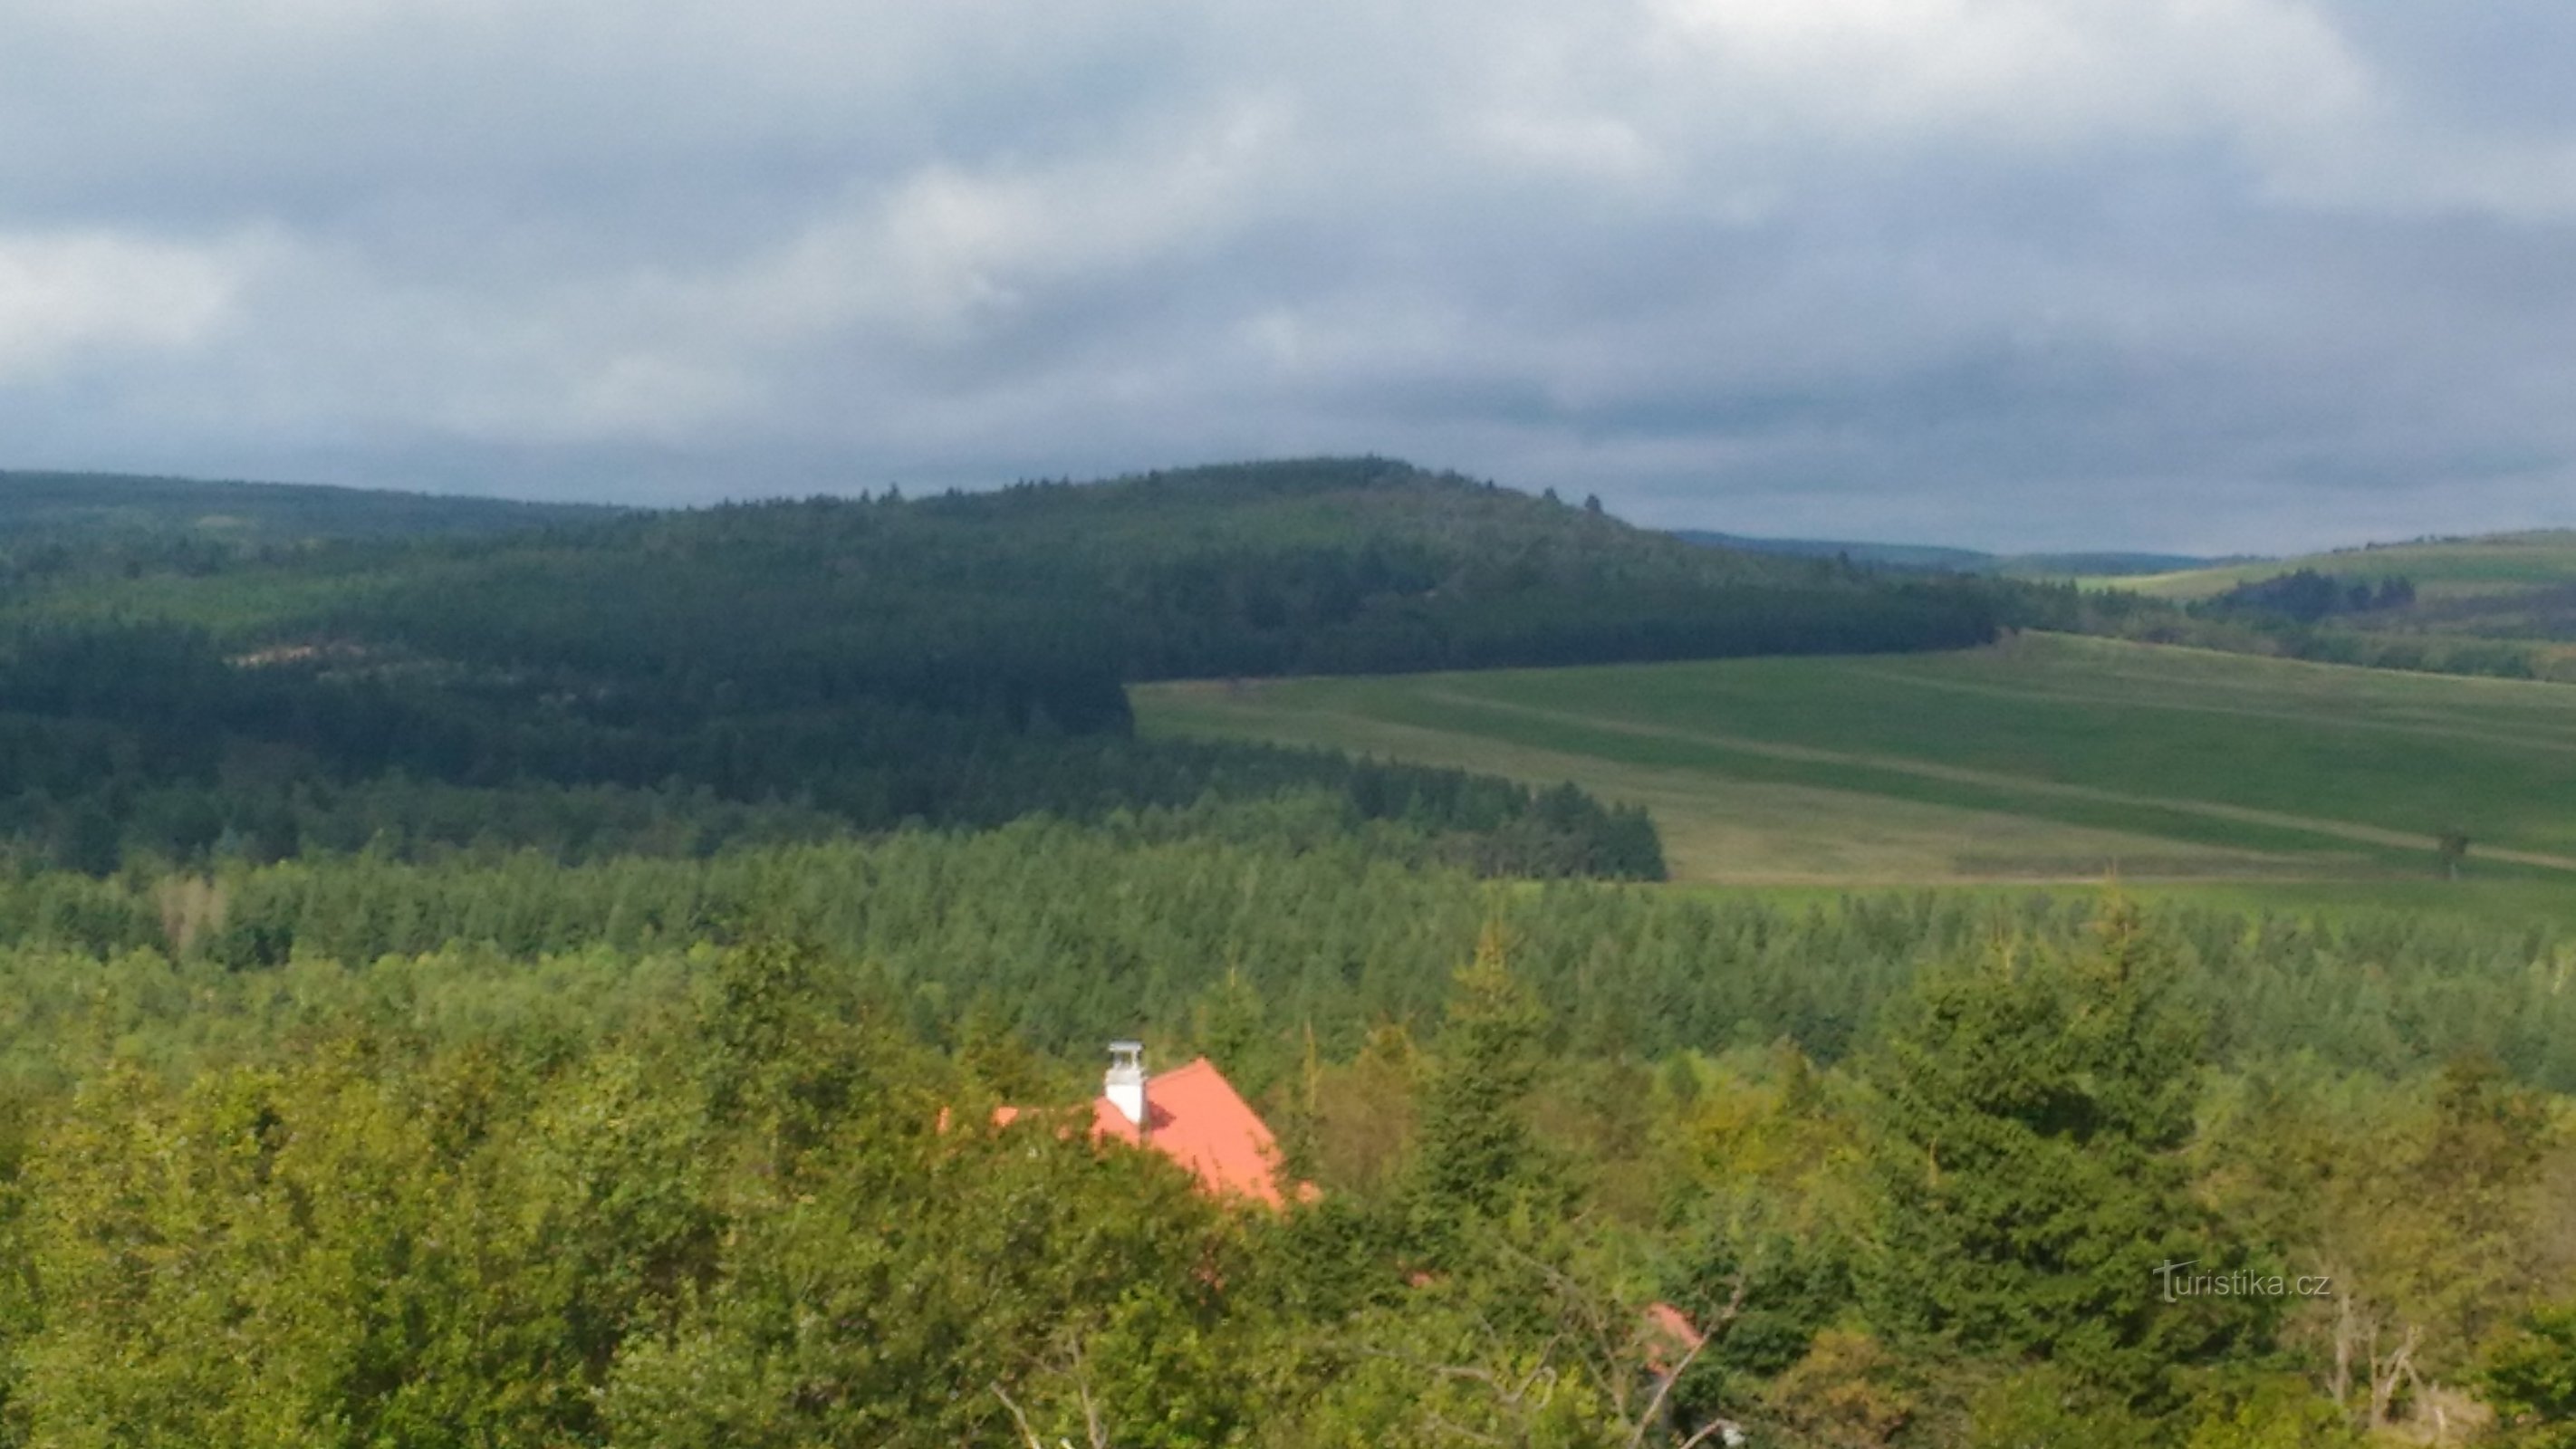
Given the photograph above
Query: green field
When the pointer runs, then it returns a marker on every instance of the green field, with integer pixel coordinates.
(2045, 759)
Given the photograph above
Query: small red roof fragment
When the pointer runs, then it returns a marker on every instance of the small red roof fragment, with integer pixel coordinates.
(1671, 1338)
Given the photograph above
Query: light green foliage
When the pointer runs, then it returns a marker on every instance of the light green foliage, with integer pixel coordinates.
(2426, 1203)
(2530, 1377)
(601, 1179)
(742, 1227)
(881, 1279)
(1766, 1203)
(921, 1291)
(1427, 1376)
(2273, 1411)
(275, 1257)
(1847, 1392)
(2045, 1407)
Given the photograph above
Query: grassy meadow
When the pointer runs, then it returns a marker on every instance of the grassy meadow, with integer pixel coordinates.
(2043, 759)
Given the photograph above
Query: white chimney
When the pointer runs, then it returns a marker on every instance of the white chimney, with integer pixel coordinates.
(1125, 1084)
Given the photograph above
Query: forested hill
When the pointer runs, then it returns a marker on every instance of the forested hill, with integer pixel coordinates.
(1316, 567)
(959, 658)
(1032, 604)
(39, 508)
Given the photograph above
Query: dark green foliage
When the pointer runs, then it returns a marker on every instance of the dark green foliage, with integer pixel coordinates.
(1475, 1143)
(2305, 596)
(1233, 1029)
(1330, 565)
(145, 740)
(2029, 1169)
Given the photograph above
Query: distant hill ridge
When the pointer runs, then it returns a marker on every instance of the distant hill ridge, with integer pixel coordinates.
(1349, 565)
(2498, 587)
(1955, 560)
(1890, 555)
(124, 507)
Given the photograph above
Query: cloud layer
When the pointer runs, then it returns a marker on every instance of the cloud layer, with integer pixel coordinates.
(2191, 273)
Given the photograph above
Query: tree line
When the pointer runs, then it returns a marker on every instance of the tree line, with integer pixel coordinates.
(1075, 935)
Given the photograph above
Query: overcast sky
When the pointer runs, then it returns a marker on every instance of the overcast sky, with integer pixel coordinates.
(2197, 274)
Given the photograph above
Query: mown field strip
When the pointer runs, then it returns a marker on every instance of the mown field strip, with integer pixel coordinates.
(1962, 775)
(2042, 757)
(1737, 830)
(2413, 727)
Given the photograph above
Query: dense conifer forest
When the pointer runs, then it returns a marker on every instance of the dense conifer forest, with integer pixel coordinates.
(548, 987)
(763, 671)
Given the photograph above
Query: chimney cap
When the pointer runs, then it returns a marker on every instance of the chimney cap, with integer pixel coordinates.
(1124, 1085)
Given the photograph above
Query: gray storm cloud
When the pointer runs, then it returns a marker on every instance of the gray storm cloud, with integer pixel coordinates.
(2210, 274)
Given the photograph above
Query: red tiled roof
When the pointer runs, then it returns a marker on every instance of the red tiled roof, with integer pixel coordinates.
(1197, 1119)
(1194, 1116)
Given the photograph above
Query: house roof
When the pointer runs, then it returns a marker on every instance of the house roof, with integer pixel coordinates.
(1194, 1116)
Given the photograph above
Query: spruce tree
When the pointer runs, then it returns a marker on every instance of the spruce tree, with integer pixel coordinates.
(2030, 1121)
(1475, 1142)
